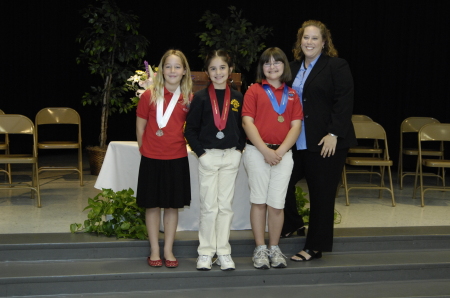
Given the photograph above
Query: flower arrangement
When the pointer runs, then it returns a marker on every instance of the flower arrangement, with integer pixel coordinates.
(141, 81)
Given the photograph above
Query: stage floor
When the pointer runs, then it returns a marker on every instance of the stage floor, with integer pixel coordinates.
(63, 201)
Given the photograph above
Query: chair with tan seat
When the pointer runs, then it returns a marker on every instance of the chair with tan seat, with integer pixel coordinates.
(365, 149)
(370, 131)
(19, 124)
(361, 149)
(60, 116)
(438, 132)
(4, 146)
(413, 125)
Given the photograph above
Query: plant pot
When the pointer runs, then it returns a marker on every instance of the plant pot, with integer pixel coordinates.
(96, 157)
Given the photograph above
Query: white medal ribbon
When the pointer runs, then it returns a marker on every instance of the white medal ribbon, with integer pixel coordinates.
(163, 118)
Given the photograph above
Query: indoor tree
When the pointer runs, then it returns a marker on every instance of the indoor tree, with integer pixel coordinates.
(235, 34)
(110, 44)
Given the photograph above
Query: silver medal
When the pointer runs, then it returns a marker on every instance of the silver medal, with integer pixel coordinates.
(159, 133)
(220, 135)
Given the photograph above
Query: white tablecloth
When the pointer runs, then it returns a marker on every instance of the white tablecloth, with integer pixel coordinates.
(121, 168)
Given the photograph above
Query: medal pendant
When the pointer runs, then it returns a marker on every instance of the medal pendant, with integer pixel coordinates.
(159, 133)
(220, 135)
(280, 118)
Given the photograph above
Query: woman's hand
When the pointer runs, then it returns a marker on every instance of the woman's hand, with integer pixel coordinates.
(329, 145)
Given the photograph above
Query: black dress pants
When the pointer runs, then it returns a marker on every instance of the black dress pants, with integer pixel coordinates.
(322, 177)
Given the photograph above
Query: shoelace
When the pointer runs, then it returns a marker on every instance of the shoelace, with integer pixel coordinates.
(203, 258)
(260, 253)
(226, 258)
(277, 253)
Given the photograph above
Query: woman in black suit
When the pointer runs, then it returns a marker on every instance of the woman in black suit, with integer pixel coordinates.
(325, 85)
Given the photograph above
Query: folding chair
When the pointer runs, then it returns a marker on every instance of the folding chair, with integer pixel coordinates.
(60, 116)
(361, 149)
(4, 146)
(18, 124)
(431, 132)
(374, 131)
(413, 125)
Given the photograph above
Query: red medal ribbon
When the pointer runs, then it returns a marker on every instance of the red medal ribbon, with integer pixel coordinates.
(219, 121)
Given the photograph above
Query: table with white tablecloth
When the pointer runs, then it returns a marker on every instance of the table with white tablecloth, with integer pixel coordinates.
(121, 168)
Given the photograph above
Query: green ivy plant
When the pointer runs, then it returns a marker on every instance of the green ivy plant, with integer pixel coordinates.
(235, 34)
(301, 201)
(127, 219)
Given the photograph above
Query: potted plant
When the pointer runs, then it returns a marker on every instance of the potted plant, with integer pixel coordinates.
(110, 43)
(114, 214)
(236, 35)
(301, 201)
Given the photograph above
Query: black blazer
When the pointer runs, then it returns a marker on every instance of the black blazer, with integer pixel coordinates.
(327, 102)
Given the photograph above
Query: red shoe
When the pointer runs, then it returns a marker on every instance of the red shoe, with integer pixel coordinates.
(171, 264)
(157, 263)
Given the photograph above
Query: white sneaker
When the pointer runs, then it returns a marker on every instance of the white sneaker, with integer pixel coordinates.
(225, 262)
(261, 257)
(277, 258)
(204, 262)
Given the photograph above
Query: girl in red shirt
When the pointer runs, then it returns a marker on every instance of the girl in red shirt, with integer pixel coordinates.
(164, 180)
(271, 118)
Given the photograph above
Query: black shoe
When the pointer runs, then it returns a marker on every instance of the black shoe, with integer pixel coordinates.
(311, 253)
(300, 232)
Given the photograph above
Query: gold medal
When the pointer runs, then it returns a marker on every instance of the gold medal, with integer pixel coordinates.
(280, 118)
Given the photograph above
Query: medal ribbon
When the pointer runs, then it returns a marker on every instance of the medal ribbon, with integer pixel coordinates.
(161, 118)
(219, 121)
(277, 108)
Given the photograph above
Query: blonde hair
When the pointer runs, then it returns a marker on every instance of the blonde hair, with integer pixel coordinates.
(328, 47)
(157, 89)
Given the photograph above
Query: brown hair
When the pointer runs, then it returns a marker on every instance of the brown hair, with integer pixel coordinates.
(278, 55)
(218, 53)
(328, 48)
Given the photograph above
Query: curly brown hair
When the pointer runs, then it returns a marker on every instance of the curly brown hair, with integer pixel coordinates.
(328, 49)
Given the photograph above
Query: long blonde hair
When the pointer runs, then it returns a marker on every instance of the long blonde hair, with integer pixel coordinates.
(328, 48)
(157, 89)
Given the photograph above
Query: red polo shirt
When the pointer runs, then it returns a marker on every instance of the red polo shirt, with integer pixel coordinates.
(172, 144)
(258, 106)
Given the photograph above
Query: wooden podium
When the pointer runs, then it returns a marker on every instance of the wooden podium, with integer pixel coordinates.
(200, 80)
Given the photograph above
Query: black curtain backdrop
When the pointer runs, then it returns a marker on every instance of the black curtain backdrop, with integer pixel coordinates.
(397, 51)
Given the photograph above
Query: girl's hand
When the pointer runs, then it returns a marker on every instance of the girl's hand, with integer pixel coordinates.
(280, 153)
(271, 157)
(329, 145)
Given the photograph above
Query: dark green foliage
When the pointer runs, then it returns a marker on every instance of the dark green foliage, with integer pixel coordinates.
(127, 219)
(301, 201)
(234, 34)
(110, 43)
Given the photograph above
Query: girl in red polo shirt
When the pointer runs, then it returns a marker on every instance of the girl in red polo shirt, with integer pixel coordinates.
(214, 132)
(164, 180)
(271, 118)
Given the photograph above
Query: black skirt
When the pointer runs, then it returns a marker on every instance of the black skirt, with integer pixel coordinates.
(164, 183)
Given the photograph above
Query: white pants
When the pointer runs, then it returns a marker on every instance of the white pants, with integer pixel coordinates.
(268, 184)
(217, 176)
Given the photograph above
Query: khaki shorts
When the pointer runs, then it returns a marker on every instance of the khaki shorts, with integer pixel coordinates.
(268, 184)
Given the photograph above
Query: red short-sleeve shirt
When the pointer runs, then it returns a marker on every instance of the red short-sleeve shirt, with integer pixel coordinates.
(258, 106)
(172, 144)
